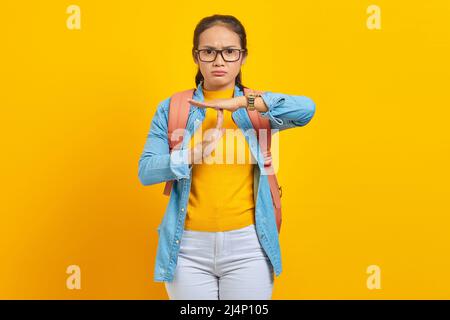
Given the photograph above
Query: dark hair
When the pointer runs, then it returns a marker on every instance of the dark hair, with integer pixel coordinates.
(228, 21)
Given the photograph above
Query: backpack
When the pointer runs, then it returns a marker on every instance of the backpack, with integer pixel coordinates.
(178, 115)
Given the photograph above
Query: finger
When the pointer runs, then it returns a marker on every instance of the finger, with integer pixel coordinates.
(200, 104)
(218, 132)
(213, 136)
(210, 146)
(219, 123)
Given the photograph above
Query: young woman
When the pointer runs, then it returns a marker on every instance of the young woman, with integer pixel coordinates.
(218, 238)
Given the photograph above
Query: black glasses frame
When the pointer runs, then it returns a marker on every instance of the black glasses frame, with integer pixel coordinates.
(219, 50)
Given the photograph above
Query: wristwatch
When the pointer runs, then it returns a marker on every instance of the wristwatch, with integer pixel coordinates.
(251, 101)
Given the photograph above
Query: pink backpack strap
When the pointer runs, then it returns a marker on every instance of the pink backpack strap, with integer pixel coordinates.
(259, 122)
(178, 116)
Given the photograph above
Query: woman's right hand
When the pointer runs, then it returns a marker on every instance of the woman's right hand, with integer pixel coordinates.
(204, 148)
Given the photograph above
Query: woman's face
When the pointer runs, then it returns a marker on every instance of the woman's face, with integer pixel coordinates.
(219, 37)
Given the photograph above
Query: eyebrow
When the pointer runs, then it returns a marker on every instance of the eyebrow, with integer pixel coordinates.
(210, 47)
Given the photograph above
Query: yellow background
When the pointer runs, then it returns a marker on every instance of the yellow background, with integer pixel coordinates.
(365, 183)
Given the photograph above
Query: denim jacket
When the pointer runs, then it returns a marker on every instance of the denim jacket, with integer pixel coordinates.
(157, 165)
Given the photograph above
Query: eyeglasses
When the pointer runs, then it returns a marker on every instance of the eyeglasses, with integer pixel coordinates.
(229, 55)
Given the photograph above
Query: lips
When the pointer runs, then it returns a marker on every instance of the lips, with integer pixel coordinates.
(218, 73)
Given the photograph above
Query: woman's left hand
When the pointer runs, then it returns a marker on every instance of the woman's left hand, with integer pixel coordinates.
(231, 104)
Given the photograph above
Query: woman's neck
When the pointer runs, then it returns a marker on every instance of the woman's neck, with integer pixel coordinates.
(218, 94)
(208, 87)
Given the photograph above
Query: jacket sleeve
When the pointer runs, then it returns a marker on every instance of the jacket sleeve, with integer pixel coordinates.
(156, 163)
(287, 111)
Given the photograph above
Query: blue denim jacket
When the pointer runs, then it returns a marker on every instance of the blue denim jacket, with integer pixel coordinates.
(157, 165)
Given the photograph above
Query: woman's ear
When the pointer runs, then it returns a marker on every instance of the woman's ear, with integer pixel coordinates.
(244, 59)
(194, 57)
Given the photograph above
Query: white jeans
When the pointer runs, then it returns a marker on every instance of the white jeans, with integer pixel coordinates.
(221, 266)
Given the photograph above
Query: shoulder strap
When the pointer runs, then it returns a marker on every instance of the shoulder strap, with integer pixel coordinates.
(178, 116)
(259, 122)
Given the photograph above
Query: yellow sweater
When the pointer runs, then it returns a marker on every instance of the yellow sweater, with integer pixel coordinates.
(221, 195)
